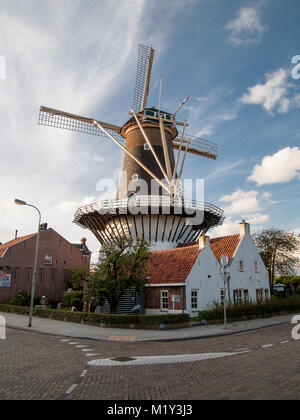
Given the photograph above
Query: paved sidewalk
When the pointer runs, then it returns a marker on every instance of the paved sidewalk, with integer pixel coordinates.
(68, 329)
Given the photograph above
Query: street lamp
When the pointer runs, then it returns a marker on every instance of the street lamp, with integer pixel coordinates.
(23, 203)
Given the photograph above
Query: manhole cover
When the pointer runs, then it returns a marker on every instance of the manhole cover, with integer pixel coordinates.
(123, 359)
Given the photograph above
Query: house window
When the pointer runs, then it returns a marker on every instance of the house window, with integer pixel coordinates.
(259, 294)
(246, 295)
(256, 267)
(241, 265)
(146, 146)
(194, 300)
(238, 296)
(266, 294)
(164, 300)
(48, 259)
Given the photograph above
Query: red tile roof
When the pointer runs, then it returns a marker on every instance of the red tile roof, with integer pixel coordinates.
(9, 244)
(225, 245)
(172, 265)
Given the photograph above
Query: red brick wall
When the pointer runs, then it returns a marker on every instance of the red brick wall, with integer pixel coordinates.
(153, 297)
(51, 279)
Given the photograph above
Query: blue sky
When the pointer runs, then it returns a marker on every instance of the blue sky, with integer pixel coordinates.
(234, 60)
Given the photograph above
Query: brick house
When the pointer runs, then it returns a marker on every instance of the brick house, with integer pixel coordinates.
(187, 279)
(56, 257)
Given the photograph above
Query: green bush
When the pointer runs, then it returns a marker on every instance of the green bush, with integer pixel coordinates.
(273, 306)
(73, 298)
(98, 319)
(22, 299)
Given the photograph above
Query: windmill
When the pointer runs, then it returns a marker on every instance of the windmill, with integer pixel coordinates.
(148, 139)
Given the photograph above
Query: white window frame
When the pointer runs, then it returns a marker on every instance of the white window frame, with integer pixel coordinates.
(238, 295)
(196, 309)
(164, 300)
(48, 260)
(260, 294)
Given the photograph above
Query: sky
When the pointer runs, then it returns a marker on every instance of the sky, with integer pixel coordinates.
(239, 61)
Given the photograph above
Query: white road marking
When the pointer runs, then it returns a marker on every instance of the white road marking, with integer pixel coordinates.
(265, 346)
(71, 389)
(83, 374)
(284, 342)
(242, 349)
(153, 360)
(72, 343)
(65, 341)
(81, 347)
(86, 350)
(93, 354)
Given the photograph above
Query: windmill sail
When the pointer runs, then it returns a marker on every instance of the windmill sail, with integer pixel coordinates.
(197, 146)
(60, 119)
(144, 69)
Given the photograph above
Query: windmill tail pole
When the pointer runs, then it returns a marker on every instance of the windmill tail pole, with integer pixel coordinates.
(181, 105)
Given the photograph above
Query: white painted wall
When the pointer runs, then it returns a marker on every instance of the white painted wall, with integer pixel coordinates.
(207, 265)
(248, 279)
(206, 278)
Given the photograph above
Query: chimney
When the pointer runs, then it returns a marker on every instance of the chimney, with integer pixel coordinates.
(203, 241)
(244, 228)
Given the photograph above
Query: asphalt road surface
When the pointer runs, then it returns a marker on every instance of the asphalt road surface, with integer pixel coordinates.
(262, 364)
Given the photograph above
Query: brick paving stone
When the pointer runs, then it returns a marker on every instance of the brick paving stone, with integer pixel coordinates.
(37, 366)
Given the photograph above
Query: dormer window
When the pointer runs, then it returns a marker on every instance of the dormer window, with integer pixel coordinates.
(146, 146)
(135, 177)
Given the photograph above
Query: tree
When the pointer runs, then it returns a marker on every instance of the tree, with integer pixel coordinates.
(277, 249)
(124, 265)
(77, 278)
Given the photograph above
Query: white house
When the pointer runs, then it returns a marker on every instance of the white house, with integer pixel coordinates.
(187, 279)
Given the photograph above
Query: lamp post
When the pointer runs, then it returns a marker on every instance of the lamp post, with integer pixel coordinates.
(23, 203)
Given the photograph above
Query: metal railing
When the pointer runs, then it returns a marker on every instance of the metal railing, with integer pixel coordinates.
(146, 201)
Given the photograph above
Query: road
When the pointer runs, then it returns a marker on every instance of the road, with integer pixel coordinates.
(261, 364)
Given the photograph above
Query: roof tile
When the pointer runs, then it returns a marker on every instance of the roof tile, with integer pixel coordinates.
(172, 265)
(9, 244)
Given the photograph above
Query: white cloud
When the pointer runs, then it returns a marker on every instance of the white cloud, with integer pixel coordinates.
(67, 56)
(246, 28)
(257, 219)
(241, 202)
(231, 225)
(272, 95)
(281, 167)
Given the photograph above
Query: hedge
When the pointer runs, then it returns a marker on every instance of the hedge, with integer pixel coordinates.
(94, 319)
(263, 309)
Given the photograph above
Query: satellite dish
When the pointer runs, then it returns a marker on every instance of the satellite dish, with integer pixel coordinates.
(224, 261)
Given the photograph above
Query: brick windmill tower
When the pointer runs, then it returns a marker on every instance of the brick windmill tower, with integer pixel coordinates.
(150, 202)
